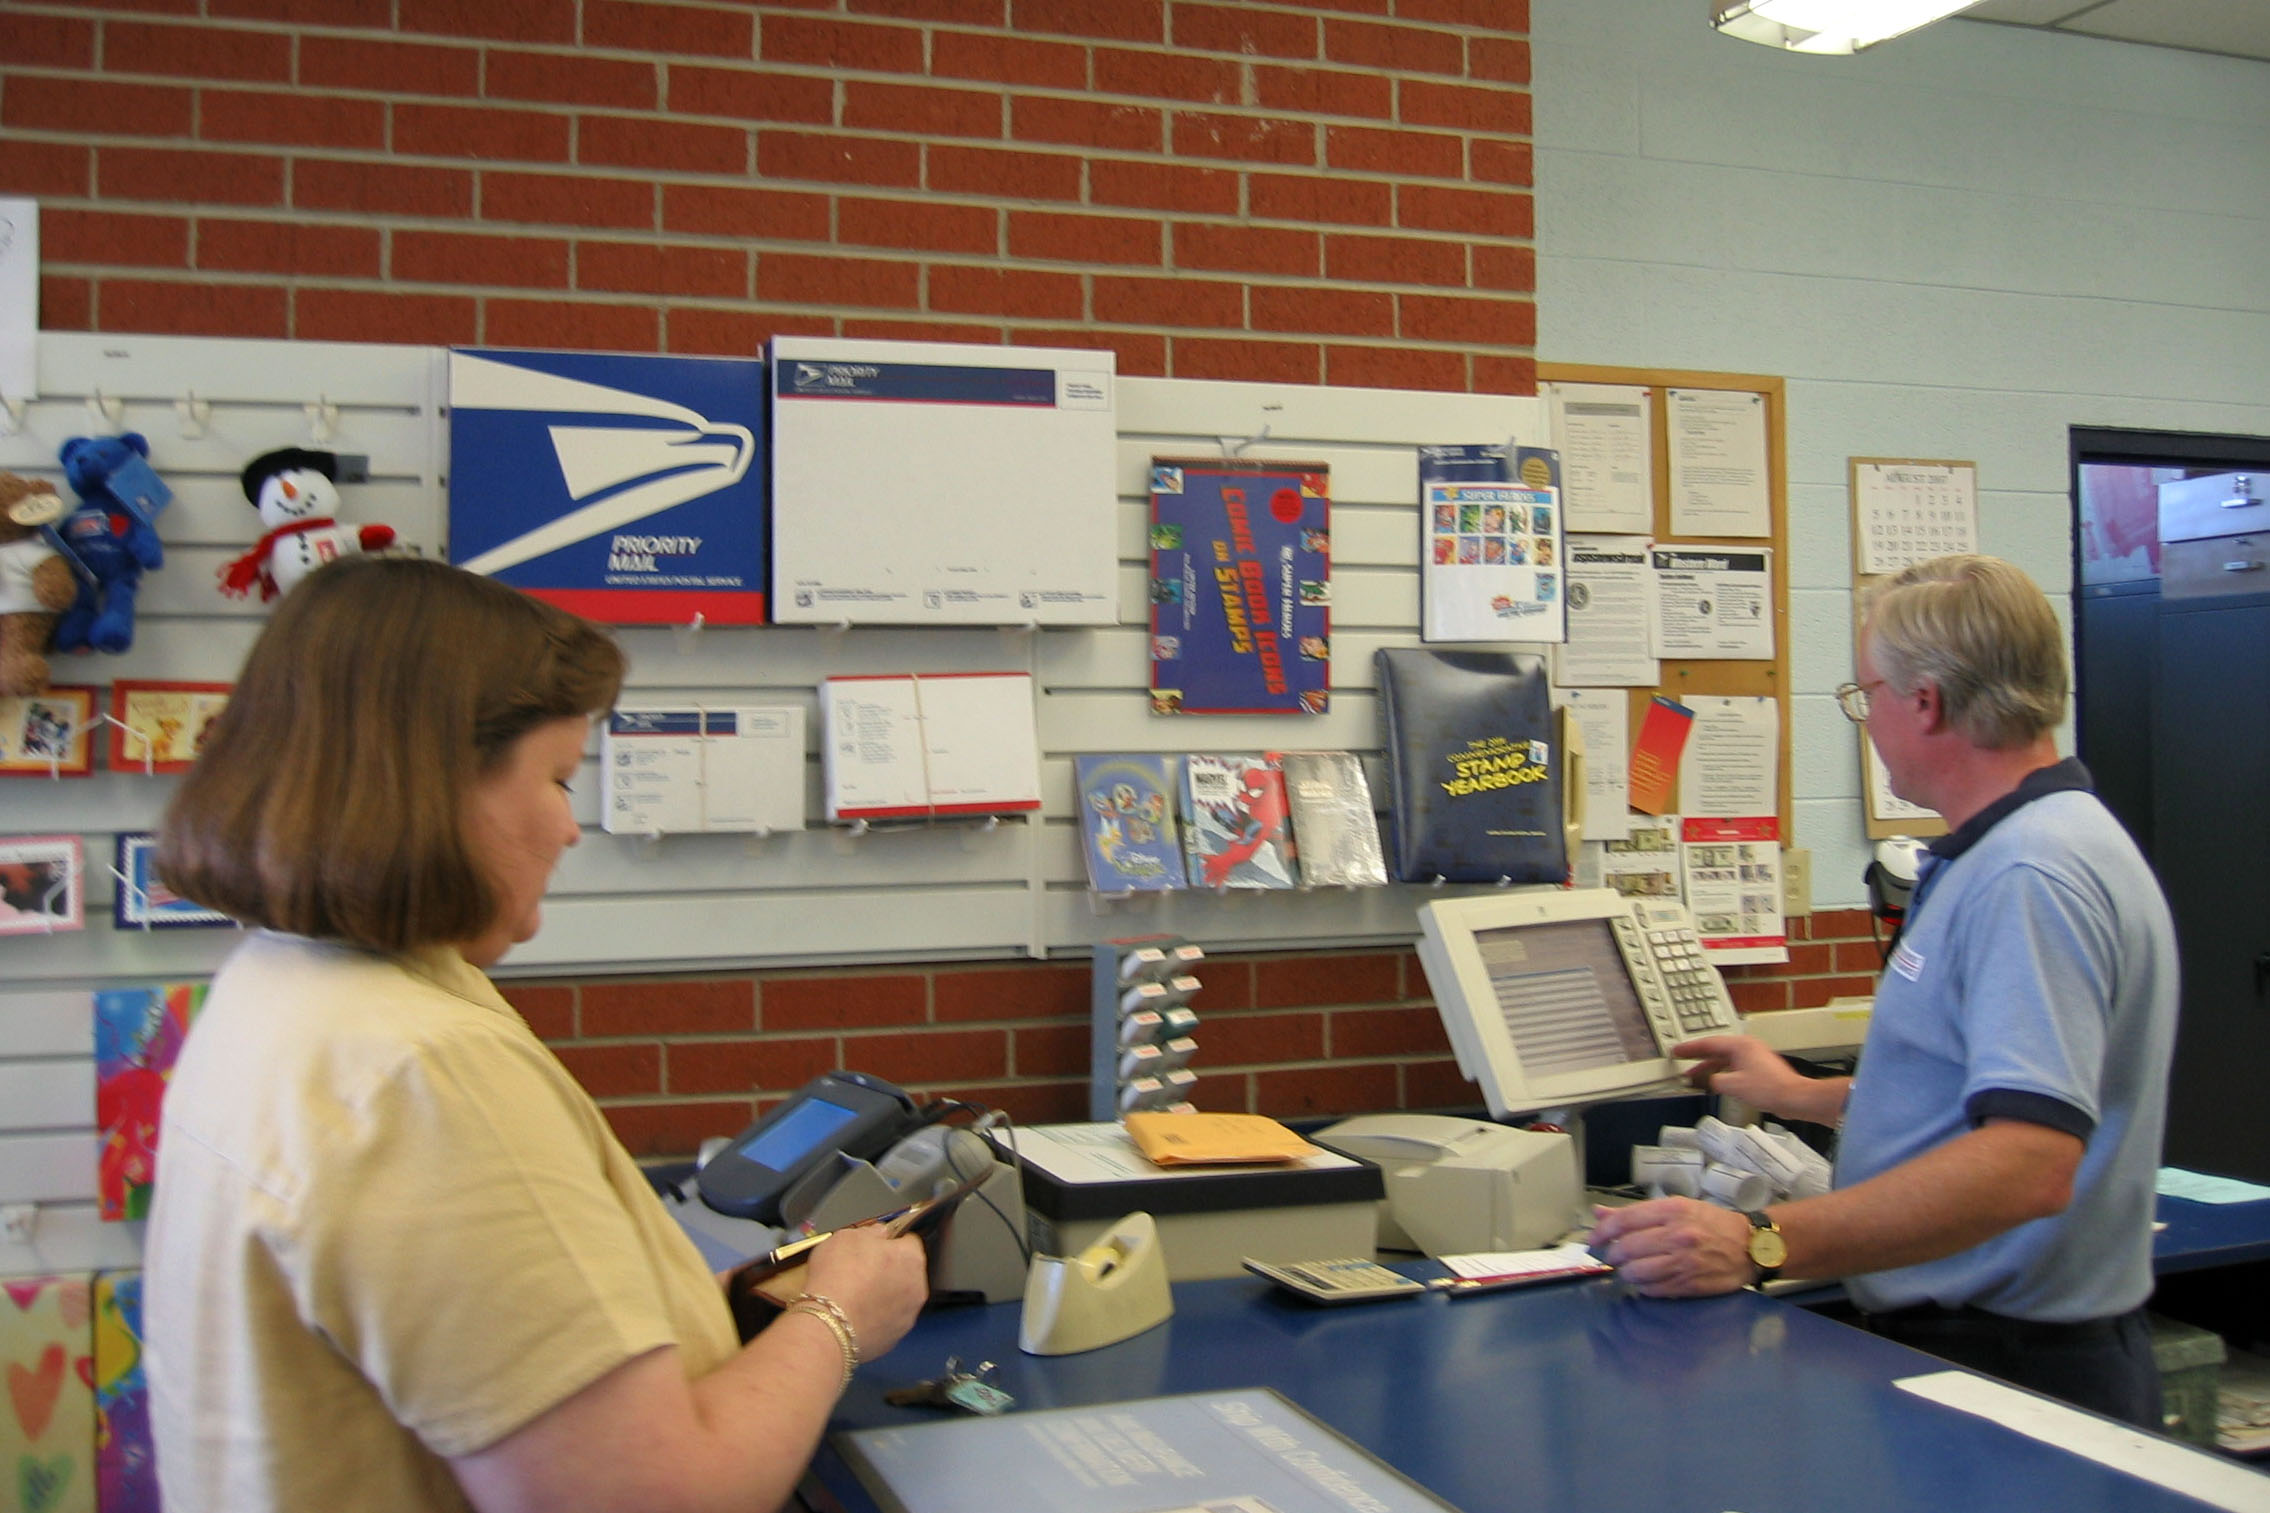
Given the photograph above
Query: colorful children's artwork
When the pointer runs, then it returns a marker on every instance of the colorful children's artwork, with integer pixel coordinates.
(161, 726)
(126, 1465)
(1127, 818)
(138, 1034)
(1241, 587)
(142, 902)
(47, 1428)
(1234, 829)
(43, 884)
(48, 734)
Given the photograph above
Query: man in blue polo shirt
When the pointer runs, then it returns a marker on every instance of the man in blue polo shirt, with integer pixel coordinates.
(1995, 1165)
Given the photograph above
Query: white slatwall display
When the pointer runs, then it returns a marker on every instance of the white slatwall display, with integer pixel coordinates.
(952, 890)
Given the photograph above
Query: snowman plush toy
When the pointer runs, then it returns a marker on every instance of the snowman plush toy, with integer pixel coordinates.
(297, 494)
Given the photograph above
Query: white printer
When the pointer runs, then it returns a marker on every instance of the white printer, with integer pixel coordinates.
(1455, 1186)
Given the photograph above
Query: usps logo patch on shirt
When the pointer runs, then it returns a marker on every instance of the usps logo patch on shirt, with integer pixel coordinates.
(1908, 962)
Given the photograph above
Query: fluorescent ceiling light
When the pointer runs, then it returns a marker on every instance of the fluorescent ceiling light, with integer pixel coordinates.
(1826, 26)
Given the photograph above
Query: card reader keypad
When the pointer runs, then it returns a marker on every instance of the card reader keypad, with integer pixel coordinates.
(1679, 988)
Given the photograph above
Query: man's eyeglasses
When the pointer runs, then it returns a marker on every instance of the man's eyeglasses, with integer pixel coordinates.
(1852, 698)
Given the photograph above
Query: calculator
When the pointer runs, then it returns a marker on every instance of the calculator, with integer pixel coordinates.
(1352, 1279)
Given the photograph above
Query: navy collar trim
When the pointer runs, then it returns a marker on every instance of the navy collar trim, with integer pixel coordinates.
(2067, 776)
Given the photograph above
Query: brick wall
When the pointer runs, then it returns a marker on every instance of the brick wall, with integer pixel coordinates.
(673, 1060)
(1333, 191)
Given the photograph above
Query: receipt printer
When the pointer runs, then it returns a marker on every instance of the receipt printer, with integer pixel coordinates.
(1455, 1186)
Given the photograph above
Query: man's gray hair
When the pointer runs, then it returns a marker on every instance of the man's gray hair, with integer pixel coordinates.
(1982, 632)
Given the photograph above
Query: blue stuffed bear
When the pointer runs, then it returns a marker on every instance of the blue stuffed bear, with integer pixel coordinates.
(113, 535)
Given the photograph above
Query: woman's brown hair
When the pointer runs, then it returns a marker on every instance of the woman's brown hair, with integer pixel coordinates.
(328, 799)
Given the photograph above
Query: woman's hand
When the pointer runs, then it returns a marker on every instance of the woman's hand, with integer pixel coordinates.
(881, 1282)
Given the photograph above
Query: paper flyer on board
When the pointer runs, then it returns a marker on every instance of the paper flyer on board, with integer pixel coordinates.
(1645, 863)
(1719, 485)
(1713, 602)
(1607, 455)
(1611, 609)
(19, 299)
(1732, 872)
(1732, 763)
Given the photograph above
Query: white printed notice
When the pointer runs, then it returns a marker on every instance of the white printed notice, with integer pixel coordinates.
(1718, 463)
(19, 299)
(1910, 512)
(1611, 596)
(1604, 715)
(1732, 764)
(1645, 863)
(1714, 603)
(1732, 871)
(1607, 459)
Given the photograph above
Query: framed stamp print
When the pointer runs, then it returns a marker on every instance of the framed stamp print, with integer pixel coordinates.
(43, 884)
(164, 723)
(144, 903)
(48, 734)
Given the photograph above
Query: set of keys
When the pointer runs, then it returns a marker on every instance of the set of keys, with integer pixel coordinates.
(956, 1388)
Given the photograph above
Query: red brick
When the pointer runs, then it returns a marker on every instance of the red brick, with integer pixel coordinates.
(1501, 163)
(1163, 186)
(1008, 60)
(1141, 354)
(553, 323)
(844, 1001)
(1504, 59)
(188, 177)
(645, 268)
(1206, 304)
(66, 304)
(1463, 107)
(1815, 960)
(733, 333)
(1168, 76)
(1476, 322)
(1001, 173)
(295, 119)
(94, 107)
(180, 309)
(922, 225)
(934, 1056)
(1438, 1085)
(155, 7)
(1300, 197)
(303, 247)
(366, 13)
(993, 13)
(1812, 992)
(58, 170)
(879, 328)
(1224, 982)
(789, 278)
(776, 216)
(1852, 956)
(748, 1066)
(845, 46)
(561, 200)
(201, 51)
(1841, 924)
(750, 94)
(1403, 154)
(519, 21)
(1319, 311)
(1396, 49)
(395, 68)
(838, 160)
(678, 29)
(378, 188)
(1050, 1050)
(921, 110)
(1252, 139)
(98, 236)
(1496, 15)
(477, 131)
(1112, 20)
(1034, 992)
(449, 257)
(1370, 1033)
(1091, 239)
(1230, 1094)
(1031, 1103)
(1323, 1091)
(47, 41)
(1288, 980)
(1245, 32)
(440, 320)
(1394, 260)
(570, 79)
(1245, 249)
(1247, 361)
(1009, 292)
(669, 1007)
(676, 1129)
(1322, 92)
(670, 146)
(1504, 375)
(614, 1071)
(1094, 125)
(1475, 212)
(1758, 996)
(1510, 268)
(548, 1008)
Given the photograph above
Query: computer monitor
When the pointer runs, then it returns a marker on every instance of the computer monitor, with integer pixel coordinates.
(1554, 999)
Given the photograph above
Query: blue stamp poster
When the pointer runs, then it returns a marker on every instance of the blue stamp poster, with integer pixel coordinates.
(622, 486)
(1241, 587)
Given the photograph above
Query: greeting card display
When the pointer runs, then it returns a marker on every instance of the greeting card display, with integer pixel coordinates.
(1127, 820)
(142, 901)
(48, 734)
(126, 1467)
(1241, 587)
(165, 723)
(47, 1418)
(138, 1036)
(1234, 828)
(42, 884)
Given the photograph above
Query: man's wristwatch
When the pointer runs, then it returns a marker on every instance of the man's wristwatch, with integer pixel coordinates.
(1768, 1250)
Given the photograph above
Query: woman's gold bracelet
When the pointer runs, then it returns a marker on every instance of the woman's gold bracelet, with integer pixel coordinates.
(829, 1312)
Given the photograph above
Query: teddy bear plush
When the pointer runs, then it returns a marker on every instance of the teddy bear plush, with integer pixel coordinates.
(36, 583)
(113, 534)
(296, 492)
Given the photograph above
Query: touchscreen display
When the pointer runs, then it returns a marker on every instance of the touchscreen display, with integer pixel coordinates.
(1566, 996)
(799, 1131)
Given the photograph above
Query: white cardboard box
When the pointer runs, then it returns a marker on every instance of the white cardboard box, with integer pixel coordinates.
(673, 769)
(906, 746)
